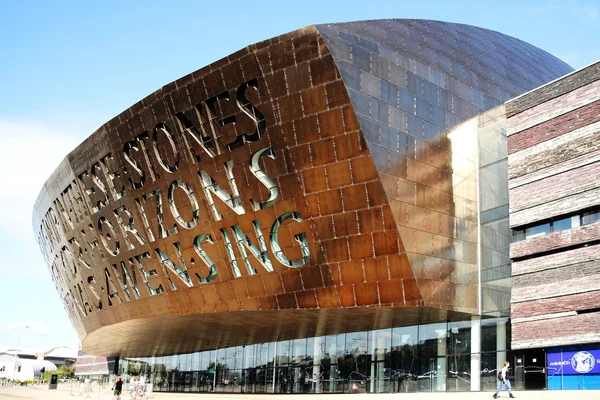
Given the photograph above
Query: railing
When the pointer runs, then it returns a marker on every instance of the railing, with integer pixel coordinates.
(91, 389)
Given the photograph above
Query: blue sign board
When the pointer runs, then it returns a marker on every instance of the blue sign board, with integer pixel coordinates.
(574, 362)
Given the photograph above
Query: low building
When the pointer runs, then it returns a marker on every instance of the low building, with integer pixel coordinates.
(28, 364)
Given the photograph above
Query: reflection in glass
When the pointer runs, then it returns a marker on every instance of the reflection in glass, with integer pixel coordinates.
(459, 357)
(561, 224)
(432, 352)
(380, 361)
(403, 358)
(538, 230)
(590, 217)
(380, 344)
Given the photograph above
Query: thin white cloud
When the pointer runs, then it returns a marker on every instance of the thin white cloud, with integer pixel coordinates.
(30, 328)
(33, 337)
(30, 152)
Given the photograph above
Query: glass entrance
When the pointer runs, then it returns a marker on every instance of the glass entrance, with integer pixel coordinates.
(530, 369)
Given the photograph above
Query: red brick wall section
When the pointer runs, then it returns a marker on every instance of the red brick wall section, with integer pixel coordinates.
(555, 260)
(551, 331)
(555, 186)
(577, 302)
(568, 122)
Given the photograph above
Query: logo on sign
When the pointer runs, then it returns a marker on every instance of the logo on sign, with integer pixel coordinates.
(583, 362)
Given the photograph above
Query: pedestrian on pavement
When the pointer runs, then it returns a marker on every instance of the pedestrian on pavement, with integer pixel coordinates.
(503, 376)
(118, 387)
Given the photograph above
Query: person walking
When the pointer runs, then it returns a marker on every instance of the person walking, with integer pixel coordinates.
(118, 387)
(505, 382)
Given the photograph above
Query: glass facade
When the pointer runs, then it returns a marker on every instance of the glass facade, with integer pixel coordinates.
(494, 230)
(424, 358)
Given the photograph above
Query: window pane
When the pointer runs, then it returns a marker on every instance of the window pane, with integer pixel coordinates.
(561, 224)
(536, 231)
(404, 363)
(459, 338)
(590, 217)
(518, 234)
(380, 344)
(283, 353)
(354, 363)
(432, 339)
(298, 350)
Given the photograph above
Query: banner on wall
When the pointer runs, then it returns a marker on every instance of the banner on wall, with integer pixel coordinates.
(575, 362)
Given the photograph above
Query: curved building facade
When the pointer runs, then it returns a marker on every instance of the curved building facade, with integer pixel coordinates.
(309, 186)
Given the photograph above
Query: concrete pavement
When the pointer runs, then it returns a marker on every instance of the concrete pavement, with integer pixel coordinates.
(63, 392)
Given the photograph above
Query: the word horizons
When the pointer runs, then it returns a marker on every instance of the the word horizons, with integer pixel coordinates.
(86, 259)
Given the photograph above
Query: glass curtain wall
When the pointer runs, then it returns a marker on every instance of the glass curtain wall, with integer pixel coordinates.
(425, 358)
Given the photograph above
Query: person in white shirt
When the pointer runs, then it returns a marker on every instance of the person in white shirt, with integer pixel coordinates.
(505, 381)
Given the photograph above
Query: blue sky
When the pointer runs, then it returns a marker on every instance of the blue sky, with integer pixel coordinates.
(68, 67)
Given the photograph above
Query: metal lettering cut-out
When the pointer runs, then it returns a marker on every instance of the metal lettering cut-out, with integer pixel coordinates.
(138, 144)
(215, 122)
(85, 191)
(128, 147)
(232, 200)
(251, 111)
(77, 304)
(85, 300)
(128, 227)
(123, 276)
(212, 268)
(110, 178)
(80, 253)
(202, 138)
(162, 232)
(64, 216)
(68, 262)
(91, 286)
(301, 238)
(112, 289)
(102, 192)
(145, 274)
(193, 203)
(263, 178)
(78, 203)
(243, 243)
(164, 129)
(112, 235)
(167, 263)
(49, 224)
(230, 254)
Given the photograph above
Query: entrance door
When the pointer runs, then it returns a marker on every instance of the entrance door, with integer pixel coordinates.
(380, 378)
(426, 380)
(285, 380)
(530, 369)
(187, 381)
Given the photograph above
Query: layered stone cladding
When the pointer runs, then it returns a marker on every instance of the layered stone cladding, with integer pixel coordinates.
(554, 172)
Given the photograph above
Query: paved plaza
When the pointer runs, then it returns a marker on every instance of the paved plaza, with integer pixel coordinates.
(63, 392)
